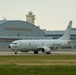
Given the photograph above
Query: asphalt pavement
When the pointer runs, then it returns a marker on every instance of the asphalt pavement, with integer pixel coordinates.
(7, 51)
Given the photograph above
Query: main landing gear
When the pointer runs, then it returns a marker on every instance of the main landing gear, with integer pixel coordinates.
(15, 52)
(48, 52)
(35, 52)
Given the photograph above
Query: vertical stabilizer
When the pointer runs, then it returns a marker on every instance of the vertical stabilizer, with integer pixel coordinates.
(66, 35)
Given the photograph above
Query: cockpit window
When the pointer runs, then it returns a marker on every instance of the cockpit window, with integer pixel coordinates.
(14, 43)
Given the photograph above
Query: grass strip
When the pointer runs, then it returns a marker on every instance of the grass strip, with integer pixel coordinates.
(38, 65)
(37, 70)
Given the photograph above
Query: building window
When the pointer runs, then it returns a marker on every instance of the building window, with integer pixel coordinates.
(27, 34)
(35, 34)
(0, 33)
(9, 34)
(18, 34)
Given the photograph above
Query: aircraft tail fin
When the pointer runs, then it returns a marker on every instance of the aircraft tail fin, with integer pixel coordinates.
(66, 35)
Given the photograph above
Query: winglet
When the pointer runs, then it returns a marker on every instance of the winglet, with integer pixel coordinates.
(66, 35)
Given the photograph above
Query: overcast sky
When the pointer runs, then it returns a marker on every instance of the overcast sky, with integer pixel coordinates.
(50, 14)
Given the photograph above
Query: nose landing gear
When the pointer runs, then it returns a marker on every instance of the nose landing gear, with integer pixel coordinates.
(9, 46)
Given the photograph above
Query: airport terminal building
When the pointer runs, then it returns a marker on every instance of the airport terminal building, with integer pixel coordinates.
(11, 30)
(57, 34)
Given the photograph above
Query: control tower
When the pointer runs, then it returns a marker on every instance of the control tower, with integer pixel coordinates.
(30, 17)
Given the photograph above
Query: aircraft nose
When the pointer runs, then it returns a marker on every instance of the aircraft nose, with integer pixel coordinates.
(9, 46)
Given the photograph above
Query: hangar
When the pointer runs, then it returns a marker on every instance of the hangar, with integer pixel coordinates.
(15, 29)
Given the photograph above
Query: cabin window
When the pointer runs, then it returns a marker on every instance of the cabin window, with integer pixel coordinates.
(14, 43)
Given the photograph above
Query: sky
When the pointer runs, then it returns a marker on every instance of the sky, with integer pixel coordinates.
(50, 14)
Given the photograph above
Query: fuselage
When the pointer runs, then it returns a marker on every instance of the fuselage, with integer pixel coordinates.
(34, 44)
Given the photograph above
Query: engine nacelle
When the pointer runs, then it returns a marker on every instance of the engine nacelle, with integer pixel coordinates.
(47, 50)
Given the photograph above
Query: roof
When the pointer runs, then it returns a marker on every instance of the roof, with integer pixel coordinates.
(73, 32)
(57, 34)
(14, 27)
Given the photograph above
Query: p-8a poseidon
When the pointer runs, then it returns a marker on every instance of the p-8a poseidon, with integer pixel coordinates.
(44, 45)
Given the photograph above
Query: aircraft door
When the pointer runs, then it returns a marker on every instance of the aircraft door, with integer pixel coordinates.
(20, 45)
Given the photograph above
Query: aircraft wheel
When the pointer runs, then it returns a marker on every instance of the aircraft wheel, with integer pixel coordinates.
(15, 52)
(35, 52)
(48, 53)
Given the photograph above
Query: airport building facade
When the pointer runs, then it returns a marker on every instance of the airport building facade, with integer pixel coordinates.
(57, 34)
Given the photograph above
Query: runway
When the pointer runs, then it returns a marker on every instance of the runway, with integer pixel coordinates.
(6, 51)
(64, 51)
